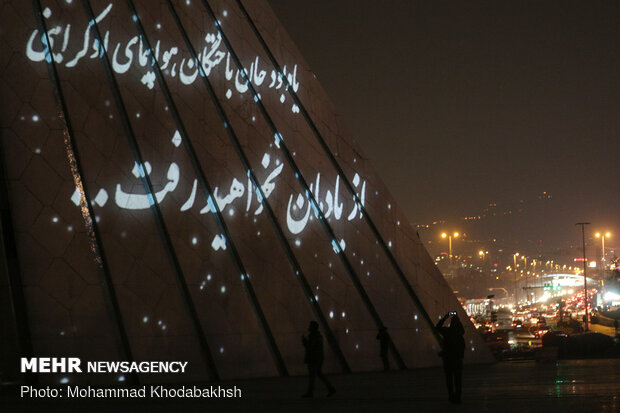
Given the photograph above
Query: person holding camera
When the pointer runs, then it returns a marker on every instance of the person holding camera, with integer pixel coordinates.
(452, 353)
(314, 359)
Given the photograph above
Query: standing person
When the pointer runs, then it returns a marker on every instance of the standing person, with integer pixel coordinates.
(314, 359)
(452, 352)
(384, 341)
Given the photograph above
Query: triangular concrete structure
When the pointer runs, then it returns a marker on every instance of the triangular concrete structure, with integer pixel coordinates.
(181, 188)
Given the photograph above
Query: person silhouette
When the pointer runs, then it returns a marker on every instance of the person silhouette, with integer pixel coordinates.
(384, 341)
(314, 359)
(452, 353)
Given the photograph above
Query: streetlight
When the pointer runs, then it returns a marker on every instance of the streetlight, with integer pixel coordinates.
(482, 254)
(455, 235)
(524, 258)
(531, 293)
(602, 237)
(514, 258)
(585, 282)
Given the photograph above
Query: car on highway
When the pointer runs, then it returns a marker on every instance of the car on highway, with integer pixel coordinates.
(539, 331)
(553, 338)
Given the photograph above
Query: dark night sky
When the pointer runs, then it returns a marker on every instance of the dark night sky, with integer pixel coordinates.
(463, 103)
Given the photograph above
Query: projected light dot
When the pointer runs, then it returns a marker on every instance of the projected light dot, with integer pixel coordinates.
(362, 262)
(64, 380)
(357, 346)
(346, 331)
(415, 317)
(316, 297)
(37, 150)
(221, 350)
(398, 223)
(121, 378)
(137, 114)
(390, 244)
(344, 314)
(473, 349)
(111, 116)
(389, 206)
(35, 118)
(224, 13)
(417, 330)
(55, 220)
(329, 265)
(223, 289)
(22, 118)
(97, 218)
(208, 277)
(62, 333)
(331, 278)
(354, 253)
(331, 314)
(163, 327)
(231, 212)
(297, 242)
(166, 108)
(258, 233)
(188, 2)
(368, 273)
(69, 228)
(123, 234)
(69, 1)
(145, 319)
(158, 25)
(317, 287)
(107, 103)
(254, 120)
(194, 241)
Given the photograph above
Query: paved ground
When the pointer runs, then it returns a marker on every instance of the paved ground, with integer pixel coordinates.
(610, 331)
(565, 386)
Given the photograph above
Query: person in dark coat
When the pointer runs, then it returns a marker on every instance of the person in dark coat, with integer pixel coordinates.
(384, 342)
(314, 359)
(452, 353)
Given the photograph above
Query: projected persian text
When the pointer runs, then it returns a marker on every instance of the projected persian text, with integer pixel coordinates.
(298, 211)
(170, 60)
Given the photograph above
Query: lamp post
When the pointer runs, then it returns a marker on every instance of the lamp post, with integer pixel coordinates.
(602, 237)
(514, 258)
(534, 275)
(525, 269)
(585, 266)
(455, 235)
(482, 255)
